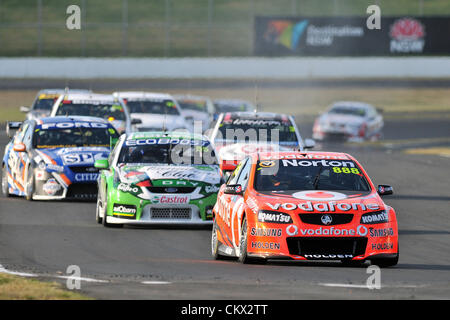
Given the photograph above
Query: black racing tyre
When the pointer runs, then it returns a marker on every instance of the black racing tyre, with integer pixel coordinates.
(97, 211)
(5, 189)
(105, 217)
(215, 243)
(29, 186)
(243, 254)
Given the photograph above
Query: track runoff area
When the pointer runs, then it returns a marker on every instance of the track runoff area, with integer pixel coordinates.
(54, 240)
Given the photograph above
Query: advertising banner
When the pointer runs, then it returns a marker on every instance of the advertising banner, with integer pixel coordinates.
(350, 36)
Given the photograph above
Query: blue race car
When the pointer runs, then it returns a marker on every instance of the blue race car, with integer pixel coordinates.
(53, 158)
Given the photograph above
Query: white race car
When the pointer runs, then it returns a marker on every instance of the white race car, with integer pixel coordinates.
(348, 120)
(237, 134)
(43, 103)
(94, 105)
(197, 108)
(156, 111)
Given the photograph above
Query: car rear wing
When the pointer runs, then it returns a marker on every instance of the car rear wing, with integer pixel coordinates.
(11, 127)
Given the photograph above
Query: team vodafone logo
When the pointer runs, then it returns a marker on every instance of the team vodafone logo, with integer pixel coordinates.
(407, 35)
(319, 195)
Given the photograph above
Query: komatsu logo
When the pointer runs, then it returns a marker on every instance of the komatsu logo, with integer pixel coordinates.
(375, 217)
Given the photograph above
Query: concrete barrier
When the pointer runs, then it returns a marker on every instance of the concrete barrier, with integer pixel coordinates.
(225, 68)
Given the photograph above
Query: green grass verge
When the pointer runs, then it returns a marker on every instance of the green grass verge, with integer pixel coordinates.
(19, 288)
(396, 102)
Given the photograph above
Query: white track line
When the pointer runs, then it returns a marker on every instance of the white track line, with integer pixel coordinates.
(82, 279)
(24, 274)
(21, 274)
(363, 286)
(156, 282)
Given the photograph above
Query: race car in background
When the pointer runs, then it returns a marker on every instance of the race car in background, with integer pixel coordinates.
(156, 111)
(237, 134)
(95, 105)
(231, 105)
(304, 206)
(53, 158)
(196, 108)
(43, 103)
(349, 120)
(158, 178)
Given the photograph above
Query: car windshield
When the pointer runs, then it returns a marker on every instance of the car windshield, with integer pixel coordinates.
(107, 111)
(158, 151)
(44, 104)
(153, 106)
(73, 137)
(257, 130)
(230, 107)
(294, 174)
(348, 111)
(198, 105)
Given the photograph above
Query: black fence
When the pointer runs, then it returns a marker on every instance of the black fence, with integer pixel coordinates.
(350, 36)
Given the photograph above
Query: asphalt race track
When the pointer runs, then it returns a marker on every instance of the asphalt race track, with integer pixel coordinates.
(44, 238)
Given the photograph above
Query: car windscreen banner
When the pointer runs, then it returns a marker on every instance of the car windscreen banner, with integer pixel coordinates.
(349, 36)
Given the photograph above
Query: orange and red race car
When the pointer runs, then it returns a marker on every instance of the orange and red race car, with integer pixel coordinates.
(304, 206)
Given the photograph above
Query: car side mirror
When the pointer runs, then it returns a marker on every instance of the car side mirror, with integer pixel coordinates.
(101, 164)
(136, 121)
(24, 109)
(11, 127)
(384, 190)
(234, 189)
(309, 143)
(19, 147)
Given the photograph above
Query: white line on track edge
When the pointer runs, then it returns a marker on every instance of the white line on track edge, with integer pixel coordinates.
(156, 282)
(14, 273)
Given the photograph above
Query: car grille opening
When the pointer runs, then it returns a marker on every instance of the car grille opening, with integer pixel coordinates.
(82, 191)
(302, 246)
(84, 169)
(316, 219)
(171, 213)
(171, 189)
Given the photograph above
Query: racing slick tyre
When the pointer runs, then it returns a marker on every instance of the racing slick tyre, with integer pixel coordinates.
(215, 243)
(97, 211)
(29, 187)
(5, 189)
(105, 218)
(243, 255)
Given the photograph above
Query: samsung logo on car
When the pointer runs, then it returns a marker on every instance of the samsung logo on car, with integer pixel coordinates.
(266, 232)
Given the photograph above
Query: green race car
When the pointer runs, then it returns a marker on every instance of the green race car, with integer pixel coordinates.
(158, 178)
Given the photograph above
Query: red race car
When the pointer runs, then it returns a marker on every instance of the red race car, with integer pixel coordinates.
(304, 206)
